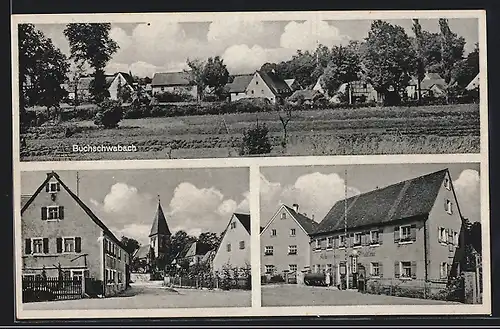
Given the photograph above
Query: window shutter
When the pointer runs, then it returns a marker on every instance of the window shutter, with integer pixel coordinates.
(59, 245)
(78, 244)
(351, 243)
(44, 213)
(380, 235)
(47, 187)
(58, 187)
(61, 212)
(396, 234)
(381, 269)
(413, 270)
(413, 232)
(45, 245)
(439, 234)
(396, 269)
(335, 242)
(27, 246)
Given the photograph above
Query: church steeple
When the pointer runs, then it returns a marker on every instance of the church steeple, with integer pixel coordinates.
(160, 226)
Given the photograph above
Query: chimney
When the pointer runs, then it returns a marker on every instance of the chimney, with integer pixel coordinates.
(296, 207)
(312, 217)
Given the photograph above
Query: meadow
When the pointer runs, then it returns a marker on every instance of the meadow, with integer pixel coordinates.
(375, 130)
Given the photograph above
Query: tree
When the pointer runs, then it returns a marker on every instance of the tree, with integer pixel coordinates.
(285, 116)
(130, 244)
(209, 238)
(464, 71)
(256, 140)
(109, 115)
(420, 64)
(176, 244)
(388, 59)
(42, 70)
(344, 66)
(215, 75)
(76, 72)
(452, 48)
(195, 75)
(90, 42)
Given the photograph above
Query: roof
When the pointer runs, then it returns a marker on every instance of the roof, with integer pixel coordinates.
(429, 80)
(474, 83)
(240, 83)
(244, 220)
(127, 77)
(406, 199)
(208, 256)
(307, 94)
(194, 249)
(142, 252)
(171, 79)
(85, 208)
(290, 82)
(307, 224)
(274, 82)
(24, 199)
(159, 223)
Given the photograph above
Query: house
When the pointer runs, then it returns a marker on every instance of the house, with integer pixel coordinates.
(192, 253)
(141, 259)
(356, 92)
(432, 85)
(112, 82)
(319, 88)
(474, 84)
(285, 241)
(159, 237)
(117, 81)
(234, 248)
(62, 236)
(293, 84)
(262, 85)
(409, 231)
(306, 96)
(173, 82)
(237, 88)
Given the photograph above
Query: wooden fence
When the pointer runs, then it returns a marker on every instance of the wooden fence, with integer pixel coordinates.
(210, 282)
(52, 288)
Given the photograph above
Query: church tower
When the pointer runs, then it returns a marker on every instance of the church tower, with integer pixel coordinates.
(159, 236)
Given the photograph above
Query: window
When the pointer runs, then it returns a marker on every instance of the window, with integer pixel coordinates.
(37, 246)
(53, 187)
(329, 242)
(342, 241)
(256, 82)
(442, 234)
(357, 239)
(262, 91)
(455, 238)
(318, 244)
(269, 250)
(443, 270)
(52, 212)
(406, 270)
(329, 268)
(448, 207)
(374, 237)
(242, 244)
(375, 269)
(292, 250)
(405, 233)
(120, 280)
(252, 92)
(69, 244)
(292, 232)
(292, 267)
(162, 88)
(233, 225)
(269, 269)
(228, 247)
(447, 184)
(273, 232)
(77, 275)
(317, 268)
(283, 215)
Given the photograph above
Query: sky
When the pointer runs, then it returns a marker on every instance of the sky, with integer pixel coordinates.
(316, 188)
(146, 48)
(193, 200)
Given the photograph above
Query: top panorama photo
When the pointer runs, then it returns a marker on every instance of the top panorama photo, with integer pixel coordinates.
(232, 87)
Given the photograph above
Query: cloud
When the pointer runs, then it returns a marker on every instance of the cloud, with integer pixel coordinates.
(241, 58)
(138, 232)
(315, 193)
(307, 35)
(467, 189)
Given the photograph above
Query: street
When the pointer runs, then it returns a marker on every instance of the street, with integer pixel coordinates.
(296, 295)
(148, 296)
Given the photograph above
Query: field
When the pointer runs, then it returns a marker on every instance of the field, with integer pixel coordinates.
(403, 130)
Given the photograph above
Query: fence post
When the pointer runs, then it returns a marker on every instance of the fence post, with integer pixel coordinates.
(83, 287)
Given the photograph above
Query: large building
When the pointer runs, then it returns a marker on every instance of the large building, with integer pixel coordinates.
(62, 236)
(285, 241)
(234, 248)
(159, 237)
(260, 84)
(173, 82)
(410, 231)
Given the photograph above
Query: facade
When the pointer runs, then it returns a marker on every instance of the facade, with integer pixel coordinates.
(119, 80)
(285, 242)
(410, 231)
(112, 82)
(234, 248)
(193, 253)
(432, 85)
(173, 82)
(261, 85)
(62, 236)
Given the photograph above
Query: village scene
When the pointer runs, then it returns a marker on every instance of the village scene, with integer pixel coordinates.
(88, 247)
(371, 235)
(233, 87)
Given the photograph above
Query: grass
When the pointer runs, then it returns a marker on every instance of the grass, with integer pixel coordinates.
(427, 129)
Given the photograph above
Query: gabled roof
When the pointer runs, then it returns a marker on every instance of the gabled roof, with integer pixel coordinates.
(159, 223)
(307, 94)
(127, 77)
(244, 220)
(277, 85)
(85, 208)
(171, 79)
(307, 223)
(142, 252)
(208, 256)
(194, 249)
(24, 199)
(474, 83)
(240, 83)
(406, 199)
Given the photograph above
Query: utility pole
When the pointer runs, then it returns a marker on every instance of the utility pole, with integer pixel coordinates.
(345, 232)
(77, 184)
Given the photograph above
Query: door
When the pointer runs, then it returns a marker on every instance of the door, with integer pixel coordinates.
(127, 275)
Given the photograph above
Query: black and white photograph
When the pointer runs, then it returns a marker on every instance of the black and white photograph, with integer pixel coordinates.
(371, 235)
(231, 85)
(135, 239)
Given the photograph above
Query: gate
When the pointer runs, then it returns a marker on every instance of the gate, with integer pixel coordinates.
(46, 289)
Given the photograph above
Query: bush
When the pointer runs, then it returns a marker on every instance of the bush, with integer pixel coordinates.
(256, 141)
(276, 278)
(168, 96)
(109, 115)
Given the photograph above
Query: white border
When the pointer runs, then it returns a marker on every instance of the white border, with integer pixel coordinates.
(254, 164)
